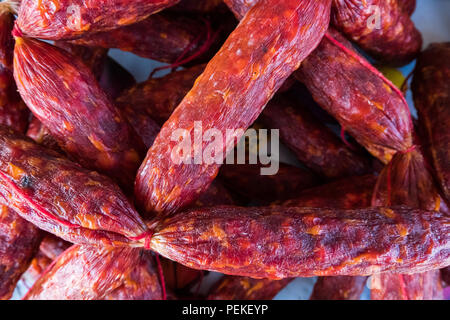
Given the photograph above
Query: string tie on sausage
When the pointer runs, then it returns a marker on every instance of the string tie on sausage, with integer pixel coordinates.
(389, 172)
(181, 60)
(344, 139)
(366, 64)
(147, 237)
(410, 149)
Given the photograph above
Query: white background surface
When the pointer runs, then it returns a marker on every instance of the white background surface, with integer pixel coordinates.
(432, 17)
